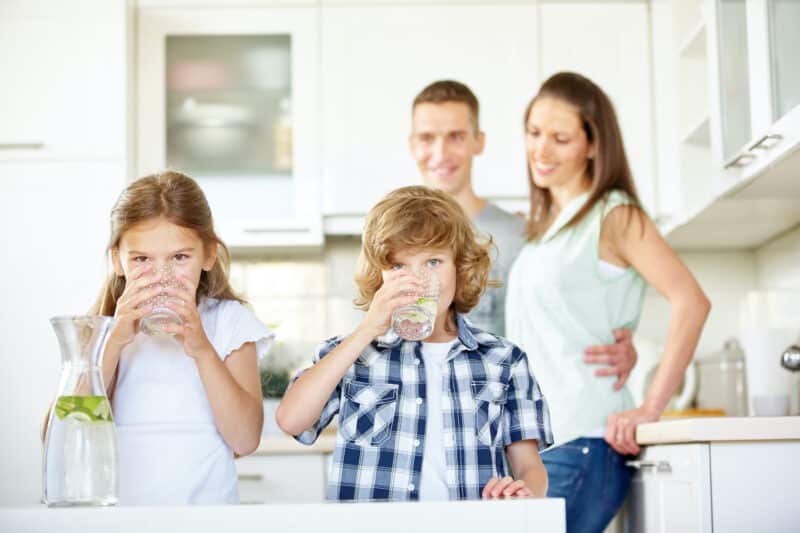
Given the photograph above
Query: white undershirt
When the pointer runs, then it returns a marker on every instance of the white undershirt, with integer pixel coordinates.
(433, 482)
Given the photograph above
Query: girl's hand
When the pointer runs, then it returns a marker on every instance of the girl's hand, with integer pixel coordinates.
(505, 488)
(400, 287)
(621, 429)
(140, 286)
(191, 333)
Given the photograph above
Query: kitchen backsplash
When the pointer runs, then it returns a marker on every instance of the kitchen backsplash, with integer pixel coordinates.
(310, 299)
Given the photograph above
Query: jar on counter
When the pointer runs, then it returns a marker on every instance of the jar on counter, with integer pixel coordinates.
(722, 380)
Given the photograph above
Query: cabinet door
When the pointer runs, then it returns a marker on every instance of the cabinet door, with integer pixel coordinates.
(671, 490)
(375, 59)
(63, 66)
(290, 478)
(229, 96)
(588, 38)
(55, 220)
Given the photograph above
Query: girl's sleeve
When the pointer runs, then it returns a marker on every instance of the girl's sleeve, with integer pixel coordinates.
(238, 325)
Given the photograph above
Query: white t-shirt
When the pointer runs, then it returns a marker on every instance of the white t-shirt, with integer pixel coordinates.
(170, 451)
(433, 482)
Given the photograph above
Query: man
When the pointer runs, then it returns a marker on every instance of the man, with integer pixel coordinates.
(445, 137)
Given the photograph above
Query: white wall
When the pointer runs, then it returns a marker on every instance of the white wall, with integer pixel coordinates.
(778, 262)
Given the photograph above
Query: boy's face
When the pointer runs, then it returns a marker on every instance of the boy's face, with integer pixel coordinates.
(443, 142)
(439, 261)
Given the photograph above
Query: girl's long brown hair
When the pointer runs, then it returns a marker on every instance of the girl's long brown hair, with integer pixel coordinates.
(177, 198)
(608, 170)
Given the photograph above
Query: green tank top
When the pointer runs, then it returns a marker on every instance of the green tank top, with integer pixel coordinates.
(560, 301)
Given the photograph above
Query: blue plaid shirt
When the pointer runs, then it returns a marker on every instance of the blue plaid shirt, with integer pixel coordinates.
(489, 400)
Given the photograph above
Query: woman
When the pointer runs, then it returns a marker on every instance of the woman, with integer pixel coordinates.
(591, 250)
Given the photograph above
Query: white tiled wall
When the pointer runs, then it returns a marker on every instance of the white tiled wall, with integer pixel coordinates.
(778, 262)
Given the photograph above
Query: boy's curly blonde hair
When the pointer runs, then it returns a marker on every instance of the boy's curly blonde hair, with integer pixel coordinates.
(419, 217)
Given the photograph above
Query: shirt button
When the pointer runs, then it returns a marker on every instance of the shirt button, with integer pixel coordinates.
(585, 450)
(411, 487)
(416, 362)
(419, 401)
(416, 443)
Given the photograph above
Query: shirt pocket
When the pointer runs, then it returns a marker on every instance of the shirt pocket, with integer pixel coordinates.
(490, 399)
(367, 412)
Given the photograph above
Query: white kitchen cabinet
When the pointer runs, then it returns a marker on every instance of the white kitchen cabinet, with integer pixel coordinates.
(724, 487)
(586, 37)
(282, 478)
(728, 120)
(55, 220)
(671, 491)
(64, 72)
(230, 96)
(376, 58)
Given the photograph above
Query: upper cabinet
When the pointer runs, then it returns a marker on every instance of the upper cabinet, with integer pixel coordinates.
(230, 97)
(64, 89)
(376, 58)
(585, 37)
(728, 94)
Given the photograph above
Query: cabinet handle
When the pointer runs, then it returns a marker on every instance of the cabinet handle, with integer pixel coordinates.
(660, 466)
(22, 146)
(759, 144)
(251, 477)
(741, 160)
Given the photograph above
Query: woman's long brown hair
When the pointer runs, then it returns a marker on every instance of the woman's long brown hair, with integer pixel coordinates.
(608, 170)
(177, 198)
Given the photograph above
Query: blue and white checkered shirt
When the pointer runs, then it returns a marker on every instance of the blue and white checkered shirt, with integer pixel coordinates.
(489, 400)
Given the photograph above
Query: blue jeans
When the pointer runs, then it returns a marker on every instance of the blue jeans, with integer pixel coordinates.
(592, 478)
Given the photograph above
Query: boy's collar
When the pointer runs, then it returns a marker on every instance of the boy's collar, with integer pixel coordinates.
(466, 338)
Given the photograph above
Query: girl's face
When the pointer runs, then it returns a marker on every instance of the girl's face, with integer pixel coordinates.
(158, 242)
(441, 263)
(556, 144)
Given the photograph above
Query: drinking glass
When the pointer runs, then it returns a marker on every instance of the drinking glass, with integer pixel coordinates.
(415, 322)
(154, 322)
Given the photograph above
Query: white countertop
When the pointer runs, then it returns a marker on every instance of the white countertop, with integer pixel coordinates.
(720, 429)
(512, 516)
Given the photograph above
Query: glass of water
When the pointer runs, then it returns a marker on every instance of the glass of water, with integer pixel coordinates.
(161, 315)
(415, 322)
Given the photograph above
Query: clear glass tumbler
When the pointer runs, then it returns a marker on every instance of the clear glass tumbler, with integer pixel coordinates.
(415, 322)
(161, 315)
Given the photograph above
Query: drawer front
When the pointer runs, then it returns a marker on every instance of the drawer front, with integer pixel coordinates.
(282, 478)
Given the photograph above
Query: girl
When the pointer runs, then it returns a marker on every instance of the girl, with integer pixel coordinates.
(583, 272)
(184, 402)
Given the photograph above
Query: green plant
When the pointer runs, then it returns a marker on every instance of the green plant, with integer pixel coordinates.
(274, 382)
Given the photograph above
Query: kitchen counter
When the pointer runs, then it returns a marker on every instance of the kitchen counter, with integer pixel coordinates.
(541, 515)
(284, 444)
(720, 429)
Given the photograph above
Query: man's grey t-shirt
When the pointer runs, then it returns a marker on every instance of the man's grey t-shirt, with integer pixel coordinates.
(508, 234)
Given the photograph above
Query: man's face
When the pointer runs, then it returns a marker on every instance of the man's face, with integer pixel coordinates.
(443, 142)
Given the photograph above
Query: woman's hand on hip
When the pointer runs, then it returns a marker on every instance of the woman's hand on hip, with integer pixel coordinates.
(619, 358)
(621, 429)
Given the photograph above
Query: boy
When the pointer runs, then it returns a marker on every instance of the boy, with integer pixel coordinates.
(452, 417)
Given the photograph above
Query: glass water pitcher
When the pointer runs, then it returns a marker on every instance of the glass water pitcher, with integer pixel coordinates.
(80, 447)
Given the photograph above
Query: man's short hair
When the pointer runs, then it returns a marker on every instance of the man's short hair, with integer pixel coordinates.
(442, 91)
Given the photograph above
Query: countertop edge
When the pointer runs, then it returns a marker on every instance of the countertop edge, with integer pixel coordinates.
(719, 429)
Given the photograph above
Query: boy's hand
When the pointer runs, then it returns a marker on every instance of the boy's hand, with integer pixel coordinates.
(505, 488)
(140, 286)
(400, 287)
(191, 333)
(620, 357)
